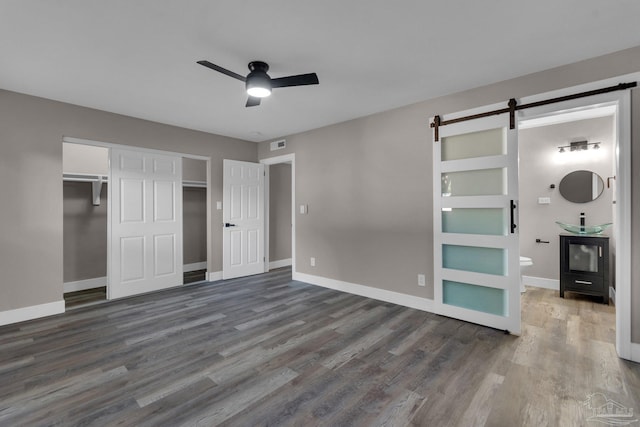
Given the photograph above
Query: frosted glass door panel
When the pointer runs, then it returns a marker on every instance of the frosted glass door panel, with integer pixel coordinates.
(475, 259)
(484, 143)
(482, 182)
(474, 297)
(490, 221)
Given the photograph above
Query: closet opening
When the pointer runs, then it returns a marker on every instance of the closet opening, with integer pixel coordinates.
(194, 219)
(85, 205)
(85, 222)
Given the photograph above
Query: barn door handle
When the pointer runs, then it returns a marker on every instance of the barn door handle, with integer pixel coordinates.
(513, 224)
(227, 224)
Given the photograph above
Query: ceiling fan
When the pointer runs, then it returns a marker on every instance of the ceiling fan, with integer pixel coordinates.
(258, 82)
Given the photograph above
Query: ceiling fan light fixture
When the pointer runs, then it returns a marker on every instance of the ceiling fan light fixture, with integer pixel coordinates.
(258, 91)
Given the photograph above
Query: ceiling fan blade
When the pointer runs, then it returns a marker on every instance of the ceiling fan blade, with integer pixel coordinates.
(222, 70)
(253, 101)
(299, 80)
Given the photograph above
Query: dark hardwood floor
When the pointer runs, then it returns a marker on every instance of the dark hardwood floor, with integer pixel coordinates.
(266, 350)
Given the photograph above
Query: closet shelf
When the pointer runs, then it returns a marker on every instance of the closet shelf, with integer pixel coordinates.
(76, 177)
(95, 180)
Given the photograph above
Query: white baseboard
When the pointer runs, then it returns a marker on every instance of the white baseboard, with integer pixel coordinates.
(32, 312)
(541, 282)
(279, 264)
(419, 303)
(195, 266)
(214, 276)
(81, 285)
(612, 295)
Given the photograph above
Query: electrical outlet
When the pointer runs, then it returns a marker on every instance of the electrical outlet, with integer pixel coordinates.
(312, 261)
(421, 280)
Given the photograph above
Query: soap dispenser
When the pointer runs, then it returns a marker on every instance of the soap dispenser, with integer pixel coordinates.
(582, 222)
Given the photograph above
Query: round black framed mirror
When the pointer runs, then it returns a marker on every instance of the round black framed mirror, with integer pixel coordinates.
(581, 186)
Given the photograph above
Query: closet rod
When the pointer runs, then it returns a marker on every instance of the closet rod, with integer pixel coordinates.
(75, 177)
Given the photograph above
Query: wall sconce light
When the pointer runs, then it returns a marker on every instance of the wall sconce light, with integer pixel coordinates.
(579, 146)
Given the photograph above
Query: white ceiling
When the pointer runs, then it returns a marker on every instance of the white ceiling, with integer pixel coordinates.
(139, 57)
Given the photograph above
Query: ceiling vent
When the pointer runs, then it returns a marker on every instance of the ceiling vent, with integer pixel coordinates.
(278, 145)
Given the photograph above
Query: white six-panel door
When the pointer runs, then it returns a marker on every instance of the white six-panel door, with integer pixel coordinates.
(476, 248)
(243, 219)
(145, 244)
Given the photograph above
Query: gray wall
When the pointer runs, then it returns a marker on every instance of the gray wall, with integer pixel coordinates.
(85, 159)
(31, 217)
(85, 232)
(194, 224)
(194, 170)
(279, 212)
(542, 165)
(368, 183)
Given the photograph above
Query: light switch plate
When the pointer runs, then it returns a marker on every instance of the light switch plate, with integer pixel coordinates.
(312, 261)
(303, 209)
(219, 205)
(544, 200)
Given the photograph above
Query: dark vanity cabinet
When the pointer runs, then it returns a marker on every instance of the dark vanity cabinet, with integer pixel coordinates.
(584, 265)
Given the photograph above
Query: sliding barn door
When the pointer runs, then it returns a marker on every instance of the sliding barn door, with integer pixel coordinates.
(476, 251)
(243, 219)
(145, 197)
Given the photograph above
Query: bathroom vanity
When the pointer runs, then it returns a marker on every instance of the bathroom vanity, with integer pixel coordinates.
(584, 265)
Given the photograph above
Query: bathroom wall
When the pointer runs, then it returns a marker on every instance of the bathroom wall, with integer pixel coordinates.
(541, 164)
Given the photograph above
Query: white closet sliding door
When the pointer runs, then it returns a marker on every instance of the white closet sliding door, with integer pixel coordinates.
(145, 236)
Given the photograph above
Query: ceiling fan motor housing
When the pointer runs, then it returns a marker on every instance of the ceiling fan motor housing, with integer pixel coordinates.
(258, 79)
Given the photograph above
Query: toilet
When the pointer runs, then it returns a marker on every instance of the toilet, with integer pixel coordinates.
(524, 262)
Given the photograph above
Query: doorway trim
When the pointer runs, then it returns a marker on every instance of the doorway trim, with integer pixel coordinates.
(207, 159)
(622, 225)
(290, 159)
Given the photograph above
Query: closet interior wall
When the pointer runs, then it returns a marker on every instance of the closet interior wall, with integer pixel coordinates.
(194, 217)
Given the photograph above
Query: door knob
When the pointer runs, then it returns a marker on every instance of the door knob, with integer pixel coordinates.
(226, 224)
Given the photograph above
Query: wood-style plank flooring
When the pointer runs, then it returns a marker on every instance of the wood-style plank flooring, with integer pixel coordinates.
(269, 351)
